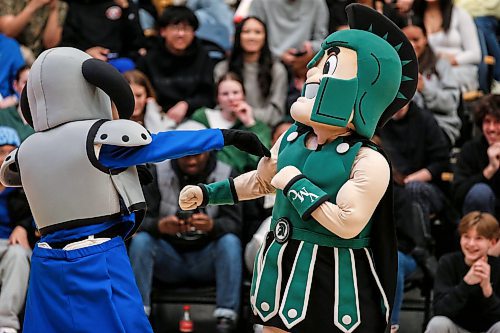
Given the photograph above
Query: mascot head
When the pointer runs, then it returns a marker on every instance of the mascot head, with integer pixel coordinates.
(360, 77)
(66, 84)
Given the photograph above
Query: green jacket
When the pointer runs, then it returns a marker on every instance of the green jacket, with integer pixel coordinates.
(239, 160)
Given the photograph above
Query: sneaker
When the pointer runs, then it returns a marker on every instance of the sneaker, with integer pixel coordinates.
(495, 87)
(224, 325)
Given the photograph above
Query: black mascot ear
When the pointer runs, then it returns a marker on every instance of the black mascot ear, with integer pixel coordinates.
(107, 78)
(25, 106)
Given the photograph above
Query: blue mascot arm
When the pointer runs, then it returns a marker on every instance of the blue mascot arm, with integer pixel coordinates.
(164, 145)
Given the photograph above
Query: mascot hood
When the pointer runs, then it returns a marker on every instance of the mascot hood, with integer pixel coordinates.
(66, 84)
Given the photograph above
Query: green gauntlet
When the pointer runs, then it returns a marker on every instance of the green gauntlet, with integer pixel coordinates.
(219, 193)
(304, 195)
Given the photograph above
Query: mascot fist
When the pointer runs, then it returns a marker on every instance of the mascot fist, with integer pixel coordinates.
(283, 177)
(190, 197)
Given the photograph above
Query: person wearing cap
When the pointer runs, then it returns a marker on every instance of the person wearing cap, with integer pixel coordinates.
(329, 260)
(15, 250)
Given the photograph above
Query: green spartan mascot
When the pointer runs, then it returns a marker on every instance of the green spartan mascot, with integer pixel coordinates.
(329, 261)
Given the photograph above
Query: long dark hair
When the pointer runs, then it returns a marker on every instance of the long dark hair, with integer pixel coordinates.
(428, 59)
(264, 77)
(446, 7)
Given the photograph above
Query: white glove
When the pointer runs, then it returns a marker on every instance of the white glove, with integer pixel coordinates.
(190, 197)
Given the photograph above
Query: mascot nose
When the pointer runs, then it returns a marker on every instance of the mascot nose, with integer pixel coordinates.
(313, 71)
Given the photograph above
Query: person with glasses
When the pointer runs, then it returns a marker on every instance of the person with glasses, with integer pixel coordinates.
(178, 66)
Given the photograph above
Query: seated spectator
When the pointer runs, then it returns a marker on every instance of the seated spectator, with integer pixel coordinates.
(393, 9)
(452, 34)
(12, 115)
(437, 90)
(295, 28)
(216, 25)
(107, 30)
(387, 8)
(486, 15)
(467, 284)
(36, 24)
(232, 111)
(15, 251)
(413, 249)
(12, 60)
(419, 154)
(264, 78)
(476, 182)
(178, 65)
(418, 150)
(201, 246)
(147, 112)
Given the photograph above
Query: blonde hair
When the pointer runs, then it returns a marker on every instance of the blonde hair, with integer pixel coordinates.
(485, 224)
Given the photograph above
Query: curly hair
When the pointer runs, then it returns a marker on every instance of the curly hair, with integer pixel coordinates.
(487, 105)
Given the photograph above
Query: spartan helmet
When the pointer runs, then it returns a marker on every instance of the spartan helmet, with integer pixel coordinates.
(387, 73)
(66, 84)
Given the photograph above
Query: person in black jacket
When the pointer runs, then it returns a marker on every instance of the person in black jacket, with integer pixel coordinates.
(195, 246)
(467, 284)
(178, 65)
(418, 151)
(107, 30)
(476, 178)
(16, 231)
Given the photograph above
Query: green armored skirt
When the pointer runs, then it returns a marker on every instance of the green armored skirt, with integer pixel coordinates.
(302, 287)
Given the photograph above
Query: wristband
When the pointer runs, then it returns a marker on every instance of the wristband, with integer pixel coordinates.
(219, 193)
(304, 195)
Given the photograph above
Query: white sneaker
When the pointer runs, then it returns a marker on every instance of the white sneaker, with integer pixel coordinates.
(495, 87)
(7, 330)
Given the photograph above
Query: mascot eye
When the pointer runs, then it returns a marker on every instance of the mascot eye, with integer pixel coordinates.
(330, 65)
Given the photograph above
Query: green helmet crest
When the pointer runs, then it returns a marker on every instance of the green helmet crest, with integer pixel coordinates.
(387, 73)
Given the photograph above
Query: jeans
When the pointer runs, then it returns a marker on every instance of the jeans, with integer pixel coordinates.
(488, 25)
(442, 324)
(219, 261)
(427, 195)
(480, 197)
(406, 266)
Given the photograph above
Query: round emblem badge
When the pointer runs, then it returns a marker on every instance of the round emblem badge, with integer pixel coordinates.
(343, 148)
(283, 230)
(114, 13)
(292, 136)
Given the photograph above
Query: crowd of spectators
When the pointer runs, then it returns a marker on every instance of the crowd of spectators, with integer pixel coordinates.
(190, 64)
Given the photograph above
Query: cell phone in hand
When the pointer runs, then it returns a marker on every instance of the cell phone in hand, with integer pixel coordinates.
(184, 214)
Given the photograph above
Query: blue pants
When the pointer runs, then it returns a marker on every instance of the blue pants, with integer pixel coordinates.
(406, 266)
(219, 261)
(85, 290)
(488, 25)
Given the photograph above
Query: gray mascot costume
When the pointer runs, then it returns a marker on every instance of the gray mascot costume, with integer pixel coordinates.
(80, 177)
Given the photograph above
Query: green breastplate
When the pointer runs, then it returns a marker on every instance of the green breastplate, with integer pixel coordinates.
(328, 168)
